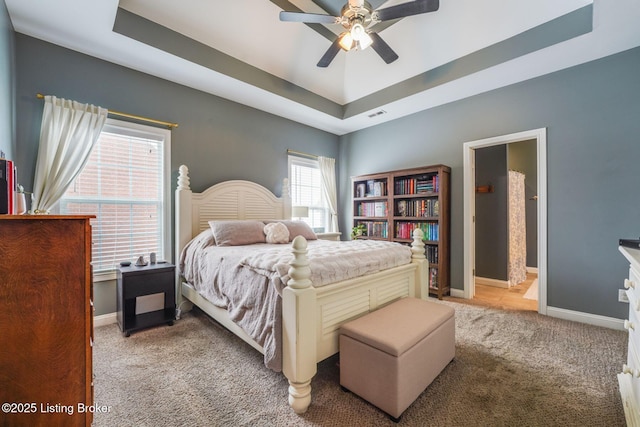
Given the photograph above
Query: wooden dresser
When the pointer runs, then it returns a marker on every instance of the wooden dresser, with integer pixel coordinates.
(46, 321)
(629, 379)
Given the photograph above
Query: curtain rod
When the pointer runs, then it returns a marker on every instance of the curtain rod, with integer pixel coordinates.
(132, 116)
(298, 153)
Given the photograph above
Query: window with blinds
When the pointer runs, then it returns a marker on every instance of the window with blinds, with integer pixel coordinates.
(306, 190)
(125, 185)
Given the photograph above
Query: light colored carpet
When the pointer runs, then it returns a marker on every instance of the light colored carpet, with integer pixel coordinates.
(510, 369)
(532, 292)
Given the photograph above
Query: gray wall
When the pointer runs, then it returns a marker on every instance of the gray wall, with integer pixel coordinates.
(491, 213)
(217, 139)
(591, 114)
(7, 98)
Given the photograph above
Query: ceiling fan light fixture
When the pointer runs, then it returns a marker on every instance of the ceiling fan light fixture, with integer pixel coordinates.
(364, 42)
(345, 40)
(359, 35)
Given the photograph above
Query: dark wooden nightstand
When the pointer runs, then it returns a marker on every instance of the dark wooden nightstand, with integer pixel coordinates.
(135, 282)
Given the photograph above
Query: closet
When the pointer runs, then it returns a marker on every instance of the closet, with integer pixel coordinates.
(506, 213)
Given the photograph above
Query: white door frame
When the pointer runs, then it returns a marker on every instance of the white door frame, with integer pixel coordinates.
(540, 135)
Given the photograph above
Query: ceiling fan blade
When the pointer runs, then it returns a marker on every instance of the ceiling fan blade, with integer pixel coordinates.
(408, 9)
(309, 18)
(382, 48)
(329, 54)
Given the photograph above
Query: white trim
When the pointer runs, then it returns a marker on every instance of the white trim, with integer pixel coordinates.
(540, 135)
(492, 282)
(105, 319)
(532, 270)
(457, 293)
(590, 319)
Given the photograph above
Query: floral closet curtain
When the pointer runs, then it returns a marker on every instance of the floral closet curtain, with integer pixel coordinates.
(68, 133)
(517, 229)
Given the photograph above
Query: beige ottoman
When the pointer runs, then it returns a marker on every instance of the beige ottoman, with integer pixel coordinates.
(389, 356)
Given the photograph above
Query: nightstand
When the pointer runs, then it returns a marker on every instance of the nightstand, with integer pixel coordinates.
(134, 282)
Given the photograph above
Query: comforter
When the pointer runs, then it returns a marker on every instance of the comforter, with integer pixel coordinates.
(247, 281)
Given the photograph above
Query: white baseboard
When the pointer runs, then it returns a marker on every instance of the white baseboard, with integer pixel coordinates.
(458, 293)
(532, 270)
(590, 319)
(575, 316)
(105, 319)
(492, 282)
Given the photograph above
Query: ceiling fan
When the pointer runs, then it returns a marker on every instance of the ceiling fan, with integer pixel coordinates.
(357, 17)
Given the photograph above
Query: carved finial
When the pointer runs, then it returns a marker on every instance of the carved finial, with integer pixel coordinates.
(184, 182)
(417, 246)
(300, 272)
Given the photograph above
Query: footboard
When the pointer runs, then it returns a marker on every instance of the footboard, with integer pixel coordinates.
(311, 318)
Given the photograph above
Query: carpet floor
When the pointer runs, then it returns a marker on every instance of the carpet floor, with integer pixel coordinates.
(510, 369)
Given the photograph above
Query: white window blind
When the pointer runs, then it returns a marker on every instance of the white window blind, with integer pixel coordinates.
(306, 190)
(124, 184)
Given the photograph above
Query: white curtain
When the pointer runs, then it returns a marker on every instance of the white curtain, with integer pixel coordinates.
(517, 229)
(328, 174)
(68, 133)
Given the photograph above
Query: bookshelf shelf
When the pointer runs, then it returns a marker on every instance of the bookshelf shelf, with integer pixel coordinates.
(391, 204)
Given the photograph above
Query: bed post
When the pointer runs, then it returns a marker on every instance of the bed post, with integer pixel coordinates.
(286, 199)
(417, 257)
(183, 229)
(298, 329)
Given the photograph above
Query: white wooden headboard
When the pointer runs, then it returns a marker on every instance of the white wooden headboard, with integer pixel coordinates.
(235, 199)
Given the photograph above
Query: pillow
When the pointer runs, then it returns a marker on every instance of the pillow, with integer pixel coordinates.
(276, 232)
(297, 228)
(237, 232)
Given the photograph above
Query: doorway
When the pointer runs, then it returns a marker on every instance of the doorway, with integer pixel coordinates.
(469, 166)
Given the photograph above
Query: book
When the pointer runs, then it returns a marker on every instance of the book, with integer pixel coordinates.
(11, 186)
(4, 188)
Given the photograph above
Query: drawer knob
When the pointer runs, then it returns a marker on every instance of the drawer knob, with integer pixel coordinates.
(626, 369)
(629, 284)
(629, 325)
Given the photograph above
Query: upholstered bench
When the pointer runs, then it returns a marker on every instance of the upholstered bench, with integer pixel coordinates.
(388, 357)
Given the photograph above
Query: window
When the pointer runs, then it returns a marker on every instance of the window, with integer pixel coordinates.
(306, 190)
(125, 185)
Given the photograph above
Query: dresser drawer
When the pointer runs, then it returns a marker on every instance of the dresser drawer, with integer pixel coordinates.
(632, 325)
(633, 282)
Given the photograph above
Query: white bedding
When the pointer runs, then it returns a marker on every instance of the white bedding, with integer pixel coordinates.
(248, 280)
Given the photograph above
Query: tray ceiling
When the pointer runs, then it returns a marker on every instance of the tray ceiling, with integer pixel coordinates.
(241, 50)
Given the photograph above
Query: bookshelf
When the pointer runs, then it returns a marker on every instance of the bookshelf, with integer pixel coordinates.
(391, 205)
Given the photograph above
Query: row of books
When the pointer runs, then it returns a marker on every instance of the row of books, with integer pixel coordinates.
(8, 186)
(431, 252)
(372, 209)
(423, 184)
(375, 228)
(371, 188)
(404, 230)
(418, 207)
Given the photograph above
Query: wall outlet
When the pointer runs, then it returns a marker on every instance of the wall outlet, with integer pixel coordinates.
(622, 296)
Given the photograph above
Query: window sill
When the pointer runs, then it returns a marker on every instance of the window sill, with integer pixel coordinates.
(104, 276)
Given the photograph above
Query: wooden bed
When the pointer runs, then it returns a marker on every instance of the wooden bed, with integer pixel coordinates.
(311, 317)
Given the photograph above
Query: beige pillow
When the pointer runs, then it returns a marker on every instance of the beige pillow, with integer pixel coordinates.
(276, 232)
(297, 228)
(237, 232)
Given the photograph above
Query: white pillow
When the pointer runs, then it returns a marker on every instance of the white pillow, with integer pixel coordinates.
(276, 232)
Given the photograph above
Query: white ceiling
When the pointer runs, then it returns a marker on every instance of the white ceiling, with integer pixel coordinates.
(250, 31)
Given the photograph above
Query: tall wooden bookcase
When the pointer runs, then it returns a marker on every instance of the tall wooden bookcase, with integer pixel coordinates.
(390, 205)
